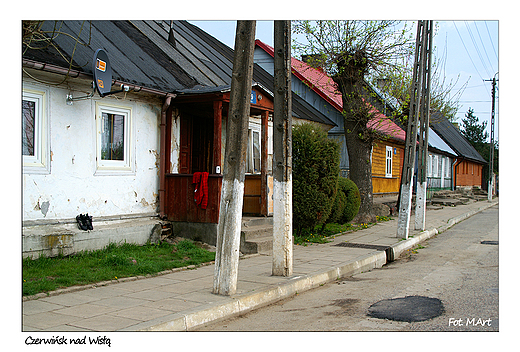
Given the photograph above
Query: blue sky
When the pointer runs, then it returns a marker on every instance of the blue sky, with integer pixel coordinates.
(470, 49)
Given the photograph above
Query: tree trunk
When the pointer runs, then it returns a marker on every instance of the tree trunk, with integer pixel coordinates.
(360, 169)
(358, 136)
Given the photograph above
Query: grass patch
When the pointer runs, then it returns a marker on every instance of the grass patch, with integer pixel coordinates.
(326, 234)
(112, 262)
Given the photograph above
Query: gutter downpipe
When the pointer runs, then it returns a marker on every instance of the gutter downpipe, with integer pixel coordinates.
(162, 154)
(455, 167)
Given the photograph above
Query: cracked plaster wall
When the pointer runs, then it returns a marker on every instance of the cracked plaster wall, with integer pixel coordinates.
(72, 187)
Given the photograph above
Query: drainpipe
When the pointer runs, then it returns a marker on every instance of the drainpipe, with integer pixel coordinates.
(455, 167)
(162, 155)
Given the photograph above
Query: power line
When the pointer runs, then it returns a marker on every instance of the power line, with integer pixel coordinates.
(477, 48)
(491, 40)
(481, 42)
(467, 52)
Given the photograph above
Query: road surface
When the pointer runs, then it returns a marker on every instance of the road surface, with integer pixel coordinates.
(453, 267)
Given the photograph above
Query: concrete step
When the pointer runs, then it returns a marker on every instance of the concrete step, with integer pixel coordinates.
(257, 245)
(256, 235)
(256, 221)
(256, 231)
(446, 201)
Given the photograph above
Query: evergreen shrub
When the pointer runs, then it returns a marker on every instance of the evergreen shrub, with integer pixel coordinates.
(315, 161)
(353, 199)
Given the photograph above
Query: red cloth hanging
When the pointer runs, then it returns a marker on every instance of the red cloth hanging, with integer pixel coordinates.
(200, 180)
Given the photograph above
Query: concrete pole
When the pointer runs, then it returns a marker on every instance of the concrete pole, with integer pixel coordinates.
(232, 193)
(405, 196)
(282, 152)
(422, 184)
(491, 144)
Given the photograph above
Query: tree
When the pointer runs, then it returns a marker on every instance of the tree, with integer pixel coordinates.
(349, 51)
(474, 131)
(443, 96)
(476, 134)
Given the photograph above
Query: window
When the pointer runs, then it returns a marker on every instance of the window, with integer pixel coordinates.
(429, 165)
(114, 142)
(35, 146)
(253, 150)
(388, 168)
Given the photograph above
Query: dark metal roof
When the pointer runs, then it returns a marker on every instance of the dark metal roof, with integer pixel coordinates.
(301, 108)
(452, 136)
(141, 54)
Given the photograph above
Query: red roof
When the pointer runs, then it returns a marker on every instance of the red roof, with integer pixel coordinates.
(325, 87)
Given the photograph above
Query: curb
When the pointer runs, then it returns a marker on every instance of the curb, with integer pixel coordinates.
(400, 247)
(247, 302)
(242, 304)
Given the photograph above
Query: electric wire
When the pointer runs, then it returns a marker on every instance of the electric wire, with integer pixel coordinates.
(489, 35)
(482, 43)
(477, 49)
(467, 52)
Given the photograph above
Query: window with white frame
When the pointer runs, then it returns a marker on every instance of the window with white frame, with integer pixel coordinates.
(35, 141)
(253, 149)
(114, 139)
(388, 167)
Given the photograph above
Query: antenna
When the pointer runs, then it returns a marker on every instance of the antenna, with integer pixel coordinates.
(102, 72)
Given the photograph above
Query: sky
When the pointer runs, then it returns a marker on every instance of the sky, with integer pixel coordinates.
(469, 48)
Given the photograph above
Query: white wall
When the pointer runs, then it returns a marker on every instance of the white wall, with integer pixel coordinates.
(73, 185)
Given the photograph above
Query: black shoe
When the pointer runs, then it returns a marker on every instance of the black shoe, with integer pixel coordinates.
(81, 222)
(88, 222)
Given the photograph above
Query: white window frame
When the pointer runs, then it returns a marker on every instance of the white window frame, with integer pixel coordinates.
(115, 167)
(389, 161)
(39, 162)
(253, 128)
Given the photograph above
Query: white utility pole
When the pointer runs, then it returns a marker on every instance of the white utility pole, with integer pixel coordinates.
(416, 94)
(232, 193)
(422, 177)
(282, 152)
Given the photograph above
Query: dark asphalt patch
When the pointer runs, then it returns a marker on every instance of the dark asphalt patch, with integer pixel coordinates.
(489, 242)
(407, 309)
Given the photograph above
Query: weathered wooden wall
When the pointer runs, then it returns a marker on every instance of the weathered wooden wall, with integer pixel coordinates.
(380, 183)
(180, 199)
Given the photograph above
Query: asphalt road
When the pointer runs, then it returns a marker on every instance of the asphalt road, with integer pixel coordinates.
(453, 267)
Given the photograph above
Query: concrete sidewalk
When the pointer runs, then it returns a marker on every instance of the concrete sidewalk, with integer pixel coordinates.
(181, 300)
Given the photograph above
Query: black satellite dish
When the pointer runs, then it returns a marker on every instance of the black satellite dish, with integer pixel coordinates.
(103, 73)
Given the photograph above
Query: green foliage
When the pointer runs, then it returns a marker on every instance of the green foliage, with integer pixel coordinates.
(352, 199)
(315, 176)
(112, 262)
(474, 131)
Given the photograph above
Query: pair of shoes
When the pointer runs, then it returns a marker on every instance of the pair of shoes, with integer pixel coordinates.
(84, 222)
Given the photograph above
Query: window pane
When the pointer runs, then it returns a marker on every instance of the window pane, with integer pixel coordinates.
(256, 151)
(28, 122)
(249, 160)
(112, 137)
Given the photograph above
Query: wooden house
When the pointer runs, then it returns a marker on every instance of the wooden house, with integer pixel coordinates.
(319, 90)
(467, 168)
(441, 159)
(129, 159)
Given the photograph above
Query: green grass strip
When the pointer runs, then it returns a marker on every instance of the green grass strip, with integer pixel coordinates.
(111, 263)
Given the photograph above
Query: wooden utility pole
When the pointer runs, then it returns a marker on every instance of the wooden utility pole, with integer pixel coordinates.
(282, 152)
(405, 196)
(232, 194)
(422, 177)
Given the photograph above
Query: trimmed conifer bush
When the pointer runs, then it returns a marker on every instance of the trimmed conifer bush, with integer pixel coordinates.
(353, 199)
(315, 161)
